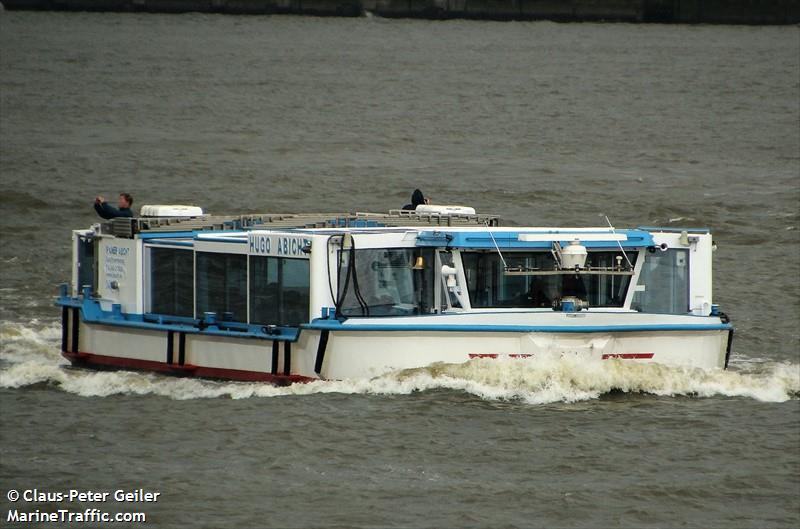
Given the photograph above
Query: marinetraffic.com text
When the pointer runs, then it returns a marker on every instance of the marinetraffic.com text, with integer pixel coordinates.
(31, 506)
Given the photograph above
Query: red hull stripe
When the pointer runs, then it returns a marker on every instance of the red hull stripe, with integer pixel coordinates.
(624, 356)
(91, 359)
(628, 356)
(495, 355)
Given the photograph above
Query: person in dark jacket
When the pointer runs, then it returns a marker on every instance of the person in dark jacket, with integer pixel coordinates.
(107, 211)
(417, 198)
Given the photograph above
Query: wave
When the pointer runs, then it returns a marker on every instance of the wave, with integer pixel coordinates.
(22, 201)
(30, 358)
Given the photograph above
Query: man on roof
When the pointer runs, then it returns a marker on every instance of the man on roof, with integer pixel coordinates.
(417, 198)
(107, 211)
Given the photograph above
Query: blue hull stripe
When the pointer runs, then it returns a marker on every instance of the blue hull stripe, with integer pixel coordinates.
(337, 326)
(91, 313)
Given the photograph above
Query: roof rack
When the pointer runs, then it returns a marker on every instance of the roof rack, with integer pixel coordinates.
(127, 227)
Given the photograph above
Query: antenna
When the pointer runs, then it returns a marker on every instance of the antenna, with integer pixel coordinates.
(505, 265)
(618, 243)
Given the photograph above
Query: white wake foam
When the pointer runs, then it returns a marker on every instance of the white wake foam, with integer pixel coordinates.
(30, 356)
(35, 341)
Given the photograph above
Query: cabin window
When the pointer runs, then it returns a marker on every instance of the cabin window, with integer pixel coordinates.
(449, 299)
(489, 286)
(386, 282)
(222, 285)
(86, 263)
(608, 290)
(279, 291)
(172, 281)
(663, 283)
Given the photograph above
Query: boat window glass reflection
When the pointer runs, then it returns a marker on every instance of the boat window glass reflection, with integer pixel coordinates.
(665, 278)
(489, 286)
(387, 282)
(608, 290)
(279, 291)
(222, 285)
(172, 281)
(86, 263)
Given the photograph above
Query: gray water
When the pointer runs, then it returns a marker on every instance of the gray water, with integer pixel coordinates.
(543, 123)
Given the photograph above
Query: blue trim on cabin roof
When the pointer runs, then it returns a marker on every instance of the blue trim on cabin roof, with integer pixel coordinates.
(343, 222)
(330, 222)
(170, 242)
(509, 240)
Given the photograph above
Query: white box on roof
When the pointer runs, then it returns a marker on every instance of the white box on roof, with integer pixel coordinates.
(445, 210)
(170, 211)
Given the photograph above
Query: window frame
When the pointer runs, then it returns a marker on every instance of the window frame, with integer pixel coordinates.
(624, 304)
(198, 312)
(148, 275)
(688, 280)
(431, 259)
(250, 287)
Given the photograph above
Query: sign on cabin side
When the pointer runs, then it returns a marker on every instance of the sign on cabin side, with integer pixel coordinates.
(278, 245)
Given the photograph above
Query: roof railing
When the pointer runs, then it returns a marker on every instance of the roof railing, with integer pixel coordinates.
(127, 227)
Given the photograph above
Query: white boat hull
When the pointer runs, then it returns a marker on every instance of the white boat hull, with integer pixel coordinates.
(364, 353)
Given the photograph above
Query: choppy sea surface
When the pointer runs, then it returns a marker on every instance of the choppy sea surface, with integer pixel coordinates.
(543, 123)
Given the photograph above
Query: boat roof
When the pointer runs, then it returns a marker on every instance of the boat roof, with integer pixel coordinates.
(430, 229)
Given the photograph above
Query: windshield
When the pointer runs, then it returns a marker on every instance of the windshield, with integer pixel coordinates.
(489, 286)
(386, 282)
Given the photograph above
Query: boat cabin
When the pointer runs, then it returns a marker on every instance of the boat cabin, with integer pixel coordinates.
(266, 274)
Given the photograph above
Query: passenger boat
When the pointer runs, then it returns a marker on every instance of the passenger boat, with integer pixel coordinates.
(291, 298)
